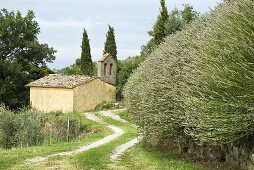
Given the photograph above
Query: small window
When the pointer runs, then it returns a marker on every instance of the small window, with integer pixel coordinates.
(111, 69)
(105, 69)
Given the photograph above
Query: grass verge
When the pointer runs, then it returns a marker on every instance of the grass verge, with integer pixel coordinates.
(143, 156)
(15, 158)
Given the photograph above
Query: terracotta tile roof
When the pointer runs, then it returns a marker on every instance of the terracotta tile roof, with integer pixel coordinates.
(104, 56)
(60, 81)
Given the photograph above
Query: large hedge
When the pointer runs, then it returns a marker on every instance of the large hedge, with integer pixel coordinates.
(200, 81)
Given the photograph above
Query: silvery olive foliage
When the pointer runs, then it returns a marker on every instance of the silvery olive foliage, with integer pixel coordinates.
(199, 82)
(31, 128)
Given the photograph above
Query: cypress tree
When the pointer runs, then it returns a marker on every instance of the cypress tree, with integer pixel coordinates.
(110, 44)
(86, 64)
(159, 27)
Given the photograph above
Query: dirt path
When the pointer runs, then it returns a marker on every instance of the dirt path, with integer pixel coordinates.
(117, 132)
(119, 151)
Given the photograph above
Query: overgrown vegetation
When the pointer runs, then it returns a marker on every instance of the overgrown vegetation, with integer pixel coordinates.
(199, 82)
(30, 128)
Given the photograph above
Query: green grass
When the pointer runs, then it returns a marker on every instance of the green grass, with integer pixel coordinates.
(139, 157)
(10, 158)
(143, 156)
(125, 115)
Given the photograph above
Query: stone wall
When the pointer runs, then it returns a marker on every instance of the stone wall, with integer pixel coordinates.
(239, 154)
(89, 95)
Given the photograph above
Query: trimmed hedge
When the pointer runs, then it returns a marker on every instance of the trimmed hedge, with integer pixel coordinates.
(199, 82)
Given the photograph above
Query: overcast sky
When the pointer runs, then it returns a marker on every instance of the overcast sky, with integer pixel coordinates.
(62, 23)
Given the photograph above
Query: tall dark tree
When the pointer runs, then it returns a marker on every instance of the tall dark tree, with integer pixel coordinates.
(159, 27)
(86, 63)
(110, 43)
(22, 57)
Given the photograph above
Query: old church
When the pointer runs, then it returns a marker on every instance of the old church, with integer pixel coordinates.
(75, 93)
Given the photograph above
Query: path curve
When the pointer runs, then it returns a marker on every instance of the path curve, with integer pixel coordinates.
(119, 151)
(117, 132)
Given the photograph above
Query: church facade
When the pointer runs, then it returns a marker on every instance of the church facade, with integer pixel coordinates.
(75, 93)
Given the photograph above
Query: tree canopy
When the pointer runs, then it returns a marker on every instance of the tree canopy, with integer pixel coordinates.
(22, 57)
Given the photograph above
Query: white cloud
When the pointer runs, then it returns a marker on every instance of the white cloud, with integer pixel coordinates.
(67, 22)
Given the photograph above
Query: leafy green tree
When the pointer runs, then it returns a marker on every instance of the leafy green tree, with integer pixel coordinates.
(188, 14)
(125, 69)
(110, 43)
(174, 22)
(74, 69)
(20, 55)
(86, 63)
(166, 25)
(159, 27)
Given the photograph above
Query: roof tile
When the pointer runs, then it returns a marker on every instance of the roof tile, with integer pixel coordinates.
(61, 81)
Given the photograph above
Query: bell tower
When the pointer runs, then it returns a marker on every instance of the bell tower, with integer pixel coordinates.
(107, 69)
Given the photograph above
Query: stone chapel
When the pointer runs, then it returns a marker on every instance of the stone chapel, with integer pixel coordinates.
(75, 93)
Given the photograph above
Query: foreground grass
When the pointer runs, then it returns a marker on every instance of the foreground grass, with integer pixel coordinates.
(15, 158)
(139, 157)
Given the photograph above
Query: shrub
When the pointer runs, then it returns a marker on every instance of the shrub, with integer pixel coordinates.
(30, 127)
(8, 128)
(59, 126)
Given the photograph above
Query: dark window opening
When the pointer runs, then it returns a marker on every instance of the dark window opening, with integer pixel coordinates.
(111, 69)
(105, 69)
